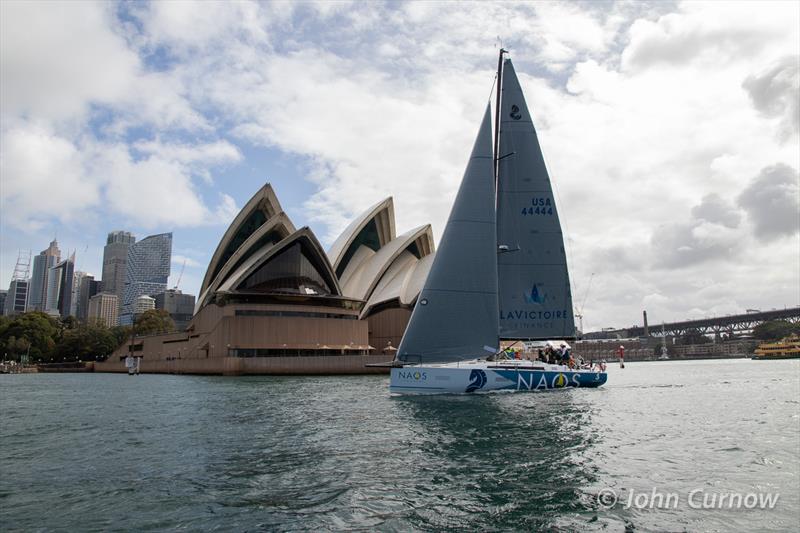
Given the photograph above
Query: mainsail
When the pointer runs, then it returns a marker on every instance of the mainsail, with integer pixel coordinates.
(534, 292)
(456, 313)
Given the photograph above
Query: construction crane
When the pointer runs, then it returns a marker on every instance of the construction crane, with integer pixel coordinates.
(180, 275)
(579, 311)
(23, 267)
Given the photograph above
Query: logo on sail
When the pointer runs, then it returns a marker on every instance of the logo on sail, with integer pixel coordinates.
(515, 114)
(477, 379)
(536, 296)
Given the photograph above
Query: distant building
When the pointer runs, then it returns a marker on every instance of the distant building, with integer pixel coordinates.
(42, 263)
(60, 280)
(17, 297)
(88, 288)
(147, 269)
(3, 294)
(115, 258)
(103, 308)
(77, 280)
(143, 304)
(179, 306)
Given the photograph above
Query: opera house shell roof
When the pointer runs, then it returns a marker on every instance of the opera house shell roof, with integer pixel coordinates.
(263, 253)
(273, 302)
(375, 265)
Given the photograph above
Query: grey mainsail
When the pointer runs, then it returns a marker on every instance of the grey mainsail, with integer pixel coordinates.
(456, 313)
(534, 291)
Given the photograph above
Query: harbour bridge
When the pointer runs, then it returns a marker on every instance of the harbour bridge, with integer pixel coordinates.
(729, 325)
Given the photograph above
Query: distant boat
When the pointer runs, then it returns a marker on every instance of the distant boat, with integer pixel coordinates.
(788, 348)
(500, 271)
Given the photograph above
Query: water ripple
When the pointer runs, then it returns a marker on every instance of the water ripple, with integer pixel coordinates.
(112, 453)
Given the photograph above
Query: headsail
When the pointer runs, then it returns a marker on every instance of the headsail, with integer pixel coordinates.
(456, 313)
(534, 291)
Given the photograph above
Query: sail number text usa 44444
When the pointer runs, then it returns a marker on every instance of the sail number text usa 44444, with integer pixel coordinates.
(539, 206)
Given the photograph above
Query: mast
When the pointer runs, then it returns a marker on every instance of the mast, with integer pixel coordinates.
(497, 114)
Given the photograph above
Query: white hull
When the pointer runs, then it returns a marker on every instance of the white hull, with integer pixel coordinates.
(484, 376)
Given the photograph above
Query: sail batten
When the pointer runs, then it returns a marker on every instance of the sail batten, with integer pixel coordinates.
(535, 301)
(455, 317)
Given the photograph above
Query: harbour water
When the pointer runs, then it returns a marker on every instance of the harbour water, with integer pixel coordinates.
(103, 452)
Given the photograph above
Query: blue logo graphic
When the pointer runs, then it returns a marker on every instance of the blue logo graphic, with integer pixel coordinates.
(536, 296)
(515, 114)
(477, 379)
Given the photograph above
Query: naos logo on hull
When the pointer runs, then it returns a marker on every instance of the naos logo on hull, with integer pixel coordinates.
(415, 375)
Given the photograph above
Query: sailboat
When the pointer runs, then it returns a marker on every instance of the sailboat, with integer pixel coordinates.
(500, 272)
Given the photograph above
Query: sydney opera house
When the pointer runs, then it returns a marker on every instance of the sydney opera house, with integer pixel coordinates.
(273, 302)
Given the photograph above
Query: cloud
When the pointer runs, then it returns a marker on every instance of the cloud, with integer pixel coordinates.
(713, 208)
(72, 89)
(707, 32)
(43, 177)
(178, 259)
(227, 210)
(63, 62)
(188, 27)
(679, 245)
(59, 57)
(157, 190)
(194, 158)
(775, 92)
(772, 202)
(46, 176)
(651, 117)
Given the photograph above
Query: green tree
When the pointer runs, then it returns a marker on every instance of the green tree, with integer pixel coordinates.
(121, 335)
(70, 322)
(775, 329)
(86, 342)
(154, 321)
(37, 329)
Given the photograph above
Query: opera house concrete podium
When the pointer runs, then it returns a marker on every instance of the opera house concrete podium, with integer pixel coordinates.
(272, 301)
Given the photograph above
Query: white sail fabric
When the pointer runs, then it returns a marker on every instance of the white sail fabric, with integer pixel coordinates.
(534, 291)
(456, 313)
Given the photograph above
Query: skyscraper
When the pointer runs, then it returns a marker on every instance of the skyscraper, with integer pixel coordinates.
(17, 297)
(77, 280)
(179, 306)
(115, 257)
(103, 309)
(88, 288)
(60, 279)
(42, 263)
(146, 271)
(143, 304)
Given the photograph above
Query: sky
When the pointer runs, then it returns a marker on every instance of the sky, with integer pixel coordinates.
(671, 131)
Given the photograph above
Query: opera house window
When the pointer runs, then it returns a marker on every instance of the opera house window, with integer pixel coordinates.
(290, 271)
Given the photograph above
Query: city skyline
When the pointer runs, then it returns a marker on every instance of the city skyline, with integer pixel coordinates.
(670, 132)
